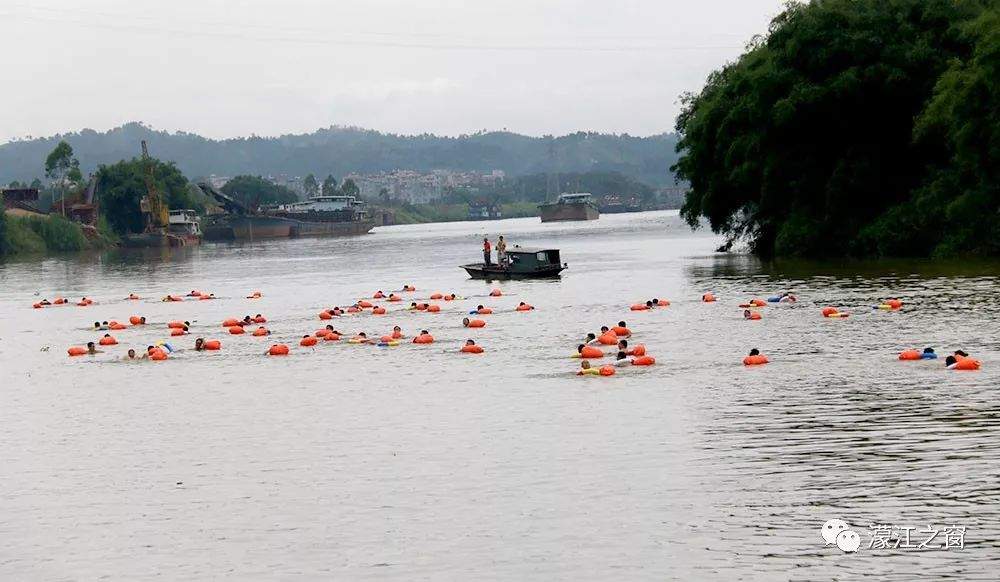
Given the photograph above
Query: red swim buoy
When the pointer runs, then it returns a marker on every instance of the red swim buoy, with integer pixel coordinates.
(639, 307)
(621, 331)
(496, 293)
(644, 361)
(484, 311)
(378, 311)
(325, 315)
(708, 297)
(331, 337)
(308, 341)
(424, 338)
(910, 355)
(76, 351)
(637, 350)
(175, 331)
(259, 332)
(524, 307)
(607, 370)
(608, 338)
(433, 308)
(212, 345)
(474, 323)
(591, 352)
(236, 330)
(232, 323)
(135, 320)
(755, 360)
(395, 298)
(364, 304)
(437, 296)
(472, 349)
(967, 364)
(176, 324)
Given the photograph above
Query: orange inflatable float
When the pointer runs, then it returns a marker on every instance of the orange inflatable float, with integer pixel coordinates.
(157, 355)
(606, 370)
(967, 364)
(608, 338)
(323, 332)
(59, 301)
(76, 351)
(259, 332)
(424, 338)
(212, 345)
(591, 352)
(177, 324)
(378, 295)
(708, 297)
(135, 320)
(831, 312)
(910, 355)
(278, 350)
(496, 293)
(752, 316)
(661, 302)
(409, 288)
(378, 311)
(484, 311)
(325, 315)
(644, 361)
(114, 325)
(176, 331)
(621, 331)
(331, 337)
(259, 319)
(393, 297)
(473, 322)
(433, 308)
(364, 304)
(637, 350)
(307, 341)
(893, 303)
(37, 305)
(639, 307)
(437, 296)
(472, 349)
(236, 330)
(232, 323)
(755, 360)
(254, 295)
(107, 341)
(523, 307)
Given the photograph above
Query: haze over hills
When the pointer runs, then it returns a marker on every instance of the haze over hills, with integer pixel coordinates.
(341, 150)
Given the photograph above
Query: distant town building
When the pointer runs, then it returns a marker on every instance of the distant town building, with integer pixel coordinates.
(413, 187)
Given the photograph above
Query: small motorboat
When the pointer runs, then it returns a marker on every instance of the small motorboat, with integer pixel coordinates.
(522, 263)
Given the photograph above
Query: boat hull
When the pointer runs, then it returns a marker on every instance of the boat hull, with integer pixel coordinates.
(482, 271)
(568, 212)
(152, 240)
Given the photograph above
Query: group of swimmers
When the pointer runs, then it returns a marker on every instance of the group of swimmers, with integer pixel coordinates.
(611, 336)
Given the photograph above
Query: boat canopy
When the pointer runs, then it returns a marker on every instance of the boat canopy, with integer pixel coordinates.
(528, 257)
(570, 198)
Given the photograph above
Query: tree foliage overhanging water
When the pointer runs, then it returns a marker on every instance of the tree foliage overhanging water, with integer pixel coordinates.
(860, 127)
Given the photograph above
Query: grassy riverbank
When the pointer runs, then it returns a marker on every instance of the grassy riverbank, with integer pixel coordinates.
(23, 235)
(423, 213)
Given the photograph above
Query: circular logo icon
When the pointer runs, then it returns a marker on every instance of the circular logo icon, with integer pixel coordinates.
(831, 529)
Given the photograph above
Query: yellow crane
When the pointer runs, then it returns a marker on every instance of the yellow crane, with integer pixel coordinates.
(154, 212)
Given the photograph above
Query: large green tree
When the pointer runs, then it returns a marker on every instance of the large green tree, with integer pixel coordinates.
(329, 187)
(255, 190)
(808, 145)
(122, 185)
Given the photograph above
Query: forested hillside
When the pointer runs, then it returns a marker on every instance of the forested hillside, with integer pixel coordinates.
(340, 151)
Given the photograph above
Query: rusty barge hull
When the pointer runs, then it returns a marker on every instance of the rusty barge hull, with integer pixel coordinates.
(271, 227)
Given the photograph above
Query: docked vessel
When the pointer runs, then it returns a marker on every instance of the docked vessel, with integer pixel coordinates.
(522, 263)
(184, 224)
(155, 215)
(616, 204)
(318, 216)
(574, 206)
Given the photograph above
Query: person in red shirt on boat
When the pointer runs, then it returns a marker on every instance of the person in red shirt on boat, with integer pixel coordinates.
(486, 251)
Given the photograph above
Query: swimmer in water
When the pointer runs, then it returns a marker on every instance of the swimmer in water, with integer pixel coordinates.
(960, 354)
(247, 320)
(199, 344)
(622, 359)
(44, 302)
(649, 305)
(605, 329)
(623, 345)
(142, 321)
(591, 340)
(469, 342)
(92, 349)
(950, 362)
(130, 355)
(928, 354)
(754, 352)
(747, 314)
(97, 325)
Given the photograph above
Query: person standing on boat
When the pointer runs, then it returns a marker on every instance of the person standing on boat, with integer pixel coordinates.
(501, 252)
(486, 251)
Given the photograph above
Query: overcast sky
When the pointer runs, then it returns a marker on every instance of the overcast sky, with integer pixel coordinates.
(225, 68)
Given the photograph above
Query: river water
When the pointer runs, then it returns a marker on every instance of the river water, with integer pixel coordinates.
(357, 462)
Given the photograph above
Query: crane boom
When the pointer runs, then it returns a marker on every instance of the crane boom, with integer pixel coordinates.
(154, 211)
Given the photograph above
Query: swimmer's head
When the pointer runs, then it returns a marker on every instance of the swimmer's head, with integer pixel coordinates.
(591, 337)
(950, 360)
(622, 344)
(585, 364)
(622, 355)
(755, 352)
(131, 353)
(622, 324)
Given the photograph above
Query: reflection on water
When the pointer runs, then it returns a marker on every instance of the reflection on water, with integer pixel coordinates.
(361, 462)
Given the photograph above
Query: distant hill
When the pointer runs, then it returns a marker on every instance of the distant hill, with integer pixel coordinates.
(339, 150)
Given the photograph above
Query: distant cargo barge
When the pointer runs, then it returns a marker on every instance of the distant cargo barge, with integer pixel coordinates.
(577, 206)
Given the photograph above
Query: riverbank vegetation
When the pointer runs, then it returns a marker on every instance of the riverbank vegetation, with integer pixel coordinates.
(853, 127)
(44, 234)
